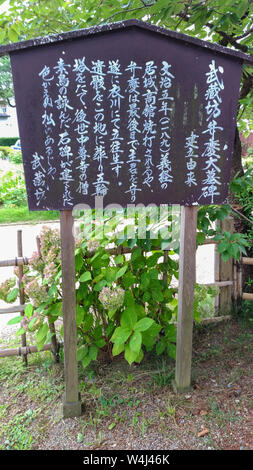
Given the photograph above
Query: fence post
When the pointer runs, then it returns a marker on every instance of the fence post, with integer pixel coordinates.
(71, 401)
(21, 289)
(187, 276)
(224, 271)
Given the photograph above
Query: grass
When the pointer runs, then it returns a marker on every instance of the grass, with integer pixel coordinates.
(22, 214)
(13, 213)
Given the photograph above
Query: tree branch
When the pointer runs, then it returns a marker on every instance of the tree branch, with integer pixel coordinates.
(245, 34)
(226, 38)
(122, 13)
(9, 103)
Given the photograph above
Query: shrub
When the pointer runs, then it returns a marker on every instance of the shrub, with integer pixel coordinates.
(12, 189)
(11, 155)
(125, 302)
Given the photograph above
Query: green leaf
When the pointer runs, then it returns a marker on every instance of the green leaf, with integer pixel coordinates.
(149, 336)
(225, 256)
(152, 260)
(85, 276)
(200, 238)
(130, 355)
(128, 280)
(79, 261)
(82, 352)
(86, 361)
(53, 290)
(146, 297)
(171, 350)
(157, 295)
(118, 349)
(171, 333)
(88, 322)
(128, 318)
(143, 324)
(80, 312)
(31, 323)
(42, 333)
(135, 342)
(29, 310)
(119, 259)
(2, 35)
(100, 343)
(55, 309)
(93, 352)
(120, 335)
(12, 34)
(145, 280)
(99, 286)
(139, 357)
(157, 6)
(160, 347)
(15, 320)
(20, 331)
(121, 272)
(173, 304)
(12, 295)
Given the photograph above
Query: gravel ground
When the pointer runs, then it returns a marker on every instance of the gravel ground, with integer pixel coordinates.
(128, 408)
(216, 414)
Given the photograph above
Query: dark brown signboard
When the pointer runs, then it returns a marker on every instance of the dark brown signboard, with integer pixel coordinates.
(128, 113)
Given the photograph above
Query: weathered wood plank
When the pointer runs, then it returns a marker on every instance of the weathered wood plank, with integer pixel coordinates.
(13, 309)
(187, 276)
(71, 402)
(247, 260)
(21, 289)
(247, 296)
(23, 351)
(19, 261)
(226, 272)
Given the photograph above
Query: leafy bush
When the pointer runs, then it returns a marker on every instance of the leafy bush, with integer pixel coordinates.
(242, 188)
(11, 155)
(5, 152)
(15, 157)
(125, 301)
(204, 301)
(12, 189)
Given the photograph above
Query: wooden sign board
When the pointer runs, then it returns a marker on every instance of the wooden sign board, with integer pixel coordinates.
(130, 112)
(136, 114)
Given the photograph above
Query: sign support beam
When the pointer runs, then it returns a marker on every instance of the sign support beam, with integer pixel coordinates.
(187, 269)
(71, 400)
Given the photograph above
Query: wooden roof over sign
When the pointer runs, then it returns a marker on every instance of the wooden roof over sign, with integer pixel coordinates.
(42, 41)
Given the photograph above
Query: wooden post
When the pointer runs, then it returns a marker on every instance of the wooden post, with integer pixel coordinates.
(21, 289)
(226, 272)
(216, 273)
(71, 401)
(187, 276)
